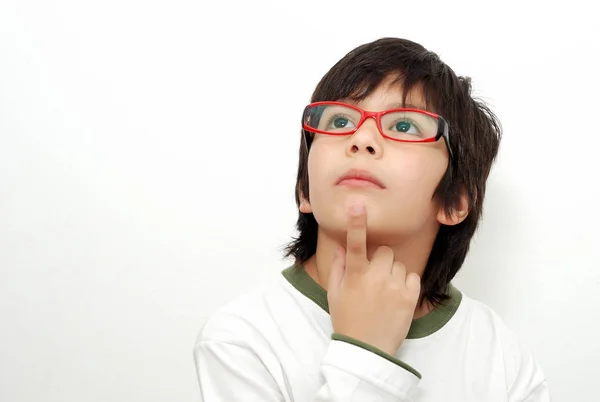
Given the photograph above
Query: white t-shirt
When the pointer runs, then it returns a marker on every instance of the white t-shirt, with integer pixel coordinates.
(275, 344)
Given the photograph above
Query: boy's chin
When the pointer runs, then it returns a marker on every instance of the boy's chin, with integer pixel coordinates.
(379, 230)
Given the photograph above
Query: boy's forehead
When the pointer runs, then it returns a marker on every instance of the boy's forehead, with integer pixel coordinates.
(389, 95)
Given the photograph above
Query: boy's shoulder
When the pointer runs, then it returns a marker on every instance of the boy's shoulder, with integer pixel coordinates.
(254, 313)
(482, 321)
(481, 314)
(484, 325)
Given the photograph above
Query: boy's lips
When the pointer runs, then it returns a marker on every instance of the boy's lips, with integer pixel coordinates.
(359, 178)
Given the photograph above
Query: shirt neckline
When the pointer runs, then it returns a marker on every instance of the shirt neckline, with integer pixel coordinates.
(424, 326)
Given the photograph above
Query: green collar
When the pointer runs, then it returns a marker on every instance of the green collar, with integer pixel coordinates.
(420, 328)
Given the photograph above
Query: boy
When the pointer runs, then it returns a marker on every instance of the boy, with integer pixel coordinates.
(394, 159)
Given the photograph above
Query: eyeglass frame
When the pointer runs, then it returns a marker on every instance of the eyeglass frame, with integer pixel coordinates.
(442, 130)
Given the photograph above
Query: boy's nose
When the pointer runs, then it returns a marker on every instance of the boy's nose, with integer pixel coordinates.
(366, 139)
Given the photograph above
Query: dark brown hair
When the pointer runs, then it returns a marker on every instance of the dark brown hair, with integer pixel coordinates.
(475, 134)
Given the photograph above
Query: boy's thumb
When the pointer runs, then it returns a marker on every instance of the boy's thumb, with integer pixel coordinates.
(338, 267)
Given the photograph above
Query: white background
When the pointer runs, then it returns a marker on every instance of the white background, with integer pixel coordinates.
(139, 190)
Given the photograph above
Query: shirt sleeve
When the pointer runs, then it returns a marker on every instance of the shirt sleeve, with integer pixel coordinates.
(529, 383)
(354, 373)
(541, 393)
(525, 379)
(228, 372)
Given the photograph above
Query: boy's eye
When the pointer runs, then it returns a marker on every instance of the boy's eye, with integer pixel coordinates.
(408, 125)
(404, 126)
(340, 122)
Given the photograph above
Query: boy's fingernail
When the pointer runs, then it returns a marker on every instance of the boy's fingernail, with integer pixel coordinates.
(357, 209)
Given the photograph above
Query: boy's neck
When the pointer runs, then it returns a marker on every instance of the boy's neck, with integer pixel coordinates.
(412, 254)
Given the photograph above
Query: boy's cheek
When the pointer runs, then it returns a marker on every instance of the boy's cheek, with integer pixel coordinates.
(321, 170)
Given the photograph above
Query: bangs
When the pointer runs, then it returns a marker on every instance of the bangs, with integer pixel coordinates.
(358, 84)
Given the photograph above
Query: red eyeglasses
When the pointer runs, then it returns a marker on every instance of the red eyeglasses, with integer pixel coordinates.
(403, 124)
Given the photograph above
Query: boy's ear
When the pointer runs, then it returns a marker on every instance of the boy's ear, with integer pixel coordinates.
(457, 215)
(304, 205)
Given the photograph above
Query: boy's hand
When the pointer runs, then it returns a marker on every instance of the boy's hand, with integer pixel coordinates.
(371, 301)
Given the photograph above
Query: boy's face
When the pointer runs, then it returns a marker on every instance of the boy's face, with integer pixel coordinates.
(408, 173)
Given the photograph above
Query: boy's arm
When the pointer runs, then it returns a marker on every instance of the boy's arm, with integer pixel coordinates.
(541, 393)
(529, 383)
(228, 372)
(355, 372)
(525, 378)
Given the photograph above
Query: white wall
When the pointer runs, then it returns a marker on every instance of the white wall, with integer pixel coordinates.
(137, 193)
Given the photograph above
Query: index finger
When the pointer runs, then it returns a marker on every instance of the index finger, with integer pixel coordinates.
(356, 240)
